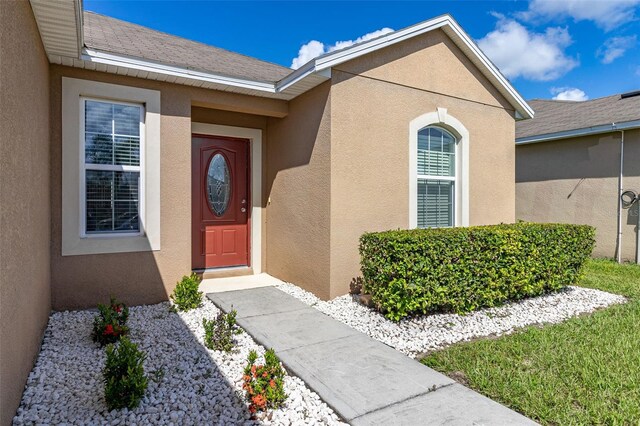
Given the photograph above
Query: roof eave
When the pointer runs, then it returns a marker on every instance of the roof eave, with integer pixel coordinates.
(585, 131)
(70, 49)
(450, 26)
(96, 56)
(60, 26)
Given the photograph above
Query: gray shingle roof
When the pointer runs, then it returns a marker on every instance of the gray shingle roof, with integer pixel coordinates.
(558, 116)
(115, 36)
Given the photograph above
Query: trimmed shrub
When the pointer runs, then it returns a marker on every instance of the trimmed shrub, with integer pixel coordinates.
(124, 379)
(110, 323)
(218, 333)
(420, 271)
(264, 383)
(186, 295)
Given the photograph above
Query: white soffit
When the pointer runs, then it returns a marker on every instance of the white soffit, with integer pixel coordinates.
(60, 25)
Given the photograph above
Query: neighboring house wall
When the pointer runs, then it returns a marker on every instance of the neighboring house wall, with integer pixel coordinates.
(298, 191)
(149, 276)
(576, 181)
(373, 100)
(25, 297)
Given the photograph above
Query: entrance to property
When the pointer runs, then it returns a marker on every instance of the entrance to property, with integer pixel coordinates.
(220, 202)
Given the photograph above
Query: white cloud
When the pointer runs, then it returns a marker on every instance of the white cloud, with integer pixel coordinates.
(568, 94)
(369, 36)
(607, 14)
(520, 53)
(307, 52)
(316, 48)
(615, 47)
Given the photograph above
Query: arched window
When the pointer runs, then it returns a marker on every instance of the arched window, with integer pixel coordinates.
(436, 174)
(438, 171)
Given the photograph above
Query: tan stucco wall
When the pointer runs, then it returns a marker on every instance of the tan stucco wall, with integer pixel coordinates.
(25, 298)
(336, 164)
(142, 277)
(576, 181)
(298, 191)
(373, 100)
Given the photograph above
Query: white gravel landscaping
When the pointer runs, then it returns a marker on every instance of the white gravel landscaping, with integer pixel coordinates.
(189, 384)
(419, 335)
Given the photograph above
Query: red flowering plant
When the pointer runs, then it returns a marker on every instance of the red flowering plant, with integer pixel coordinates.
(264, 383)
(110, 323)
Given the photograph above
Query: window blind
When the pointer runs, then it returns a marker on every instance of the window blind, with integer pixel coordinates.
(436, 178)
(112, 167)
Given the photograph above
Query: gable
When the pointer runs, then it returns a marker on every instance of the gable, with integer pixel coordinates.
(431, 62)
(64, 20)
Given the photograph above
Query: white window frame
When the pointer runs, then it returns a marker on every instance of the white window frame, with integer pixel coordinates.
(84, 166)
(453, 178)
(75, 240)
(440, 118)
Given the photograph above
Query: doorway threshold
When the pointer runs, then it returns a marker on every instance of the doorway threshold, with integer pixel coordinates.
(230, 271)
(244, 282)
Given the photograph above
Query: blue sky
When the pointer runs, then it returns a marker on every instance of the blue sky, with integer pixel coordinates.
(574, 49)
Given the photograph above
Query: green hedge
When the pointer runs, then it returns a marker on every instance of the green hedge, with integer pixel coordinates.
(410, 272)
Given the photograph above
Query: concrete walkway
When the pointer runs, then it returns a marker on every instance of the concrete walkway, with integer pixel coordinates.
(364, 381)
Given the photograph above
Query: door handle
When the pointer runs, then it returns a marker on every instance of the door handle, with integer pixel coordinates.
(243, 210)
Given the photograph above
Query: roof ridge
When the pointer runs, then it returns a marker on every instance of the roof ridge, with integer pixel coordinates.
(615, 95)
(188, 39)
(552, 100)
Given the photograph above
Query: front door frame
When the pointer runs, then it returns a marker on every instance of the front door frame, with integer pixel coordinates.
(255, 186)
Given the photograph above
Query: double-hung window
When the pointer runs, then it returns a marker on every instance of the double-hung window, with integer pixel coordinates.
(111, 175)
(436, 178)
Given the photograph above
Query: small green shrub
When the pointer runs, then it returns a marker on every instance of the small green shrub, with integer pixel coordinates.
(264, 383)
(420, 271)
(186, 295)
(218, 333)
(230, 318)
(110, 323)
(124, 379)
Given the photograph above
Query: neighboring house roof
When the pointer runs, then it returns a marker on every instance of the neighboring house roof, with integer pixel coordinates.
(110, 45)
(564, 119)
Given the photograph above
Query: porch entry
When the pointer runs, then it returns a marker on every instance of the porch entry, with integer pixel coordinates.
(220, 202)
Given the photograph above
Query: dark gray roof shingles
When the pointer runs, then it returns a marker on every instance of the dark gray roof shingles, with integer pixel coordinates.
(112, 35)
(558, 116)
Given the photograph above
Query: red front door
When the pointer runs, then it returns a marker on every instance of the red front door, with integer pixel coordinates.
(220, 202)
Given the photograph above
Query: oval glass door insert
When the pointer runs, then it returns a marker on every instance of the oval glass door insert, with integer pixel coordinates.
(218, 185)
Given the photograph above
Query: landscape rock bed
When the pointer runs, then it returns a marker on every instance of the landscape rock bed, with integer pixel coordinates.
(188, 384)
(419, 335)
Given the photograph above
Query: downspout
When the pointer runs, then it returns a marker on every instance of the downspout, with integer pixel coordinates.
(620, 176)
(638, 230)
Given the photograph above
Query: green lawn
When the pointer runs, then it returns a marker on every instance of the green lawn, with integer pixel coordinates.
(583, 371)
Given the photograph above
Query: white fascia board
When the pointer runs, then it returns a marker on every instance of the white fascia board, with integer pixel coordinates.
(329, 60)
(91, 55)
(521, 105)
(360, 49)
(585, 131)
(79, 25)
(322, 65)
(296, 76)
(324, 62)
